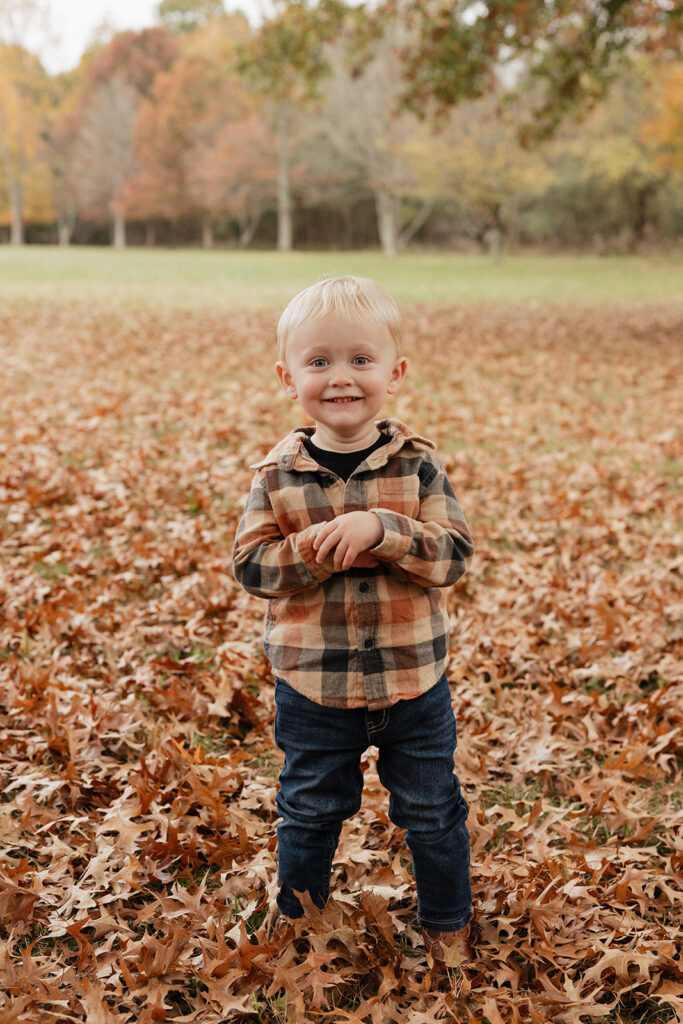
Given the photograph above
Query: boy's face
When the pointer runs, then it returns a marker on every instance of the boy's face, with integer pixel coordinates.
(341, 371)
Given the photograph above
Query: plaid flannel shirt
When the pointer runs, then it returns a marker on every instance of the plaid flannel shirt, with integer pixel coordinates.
(363, 637)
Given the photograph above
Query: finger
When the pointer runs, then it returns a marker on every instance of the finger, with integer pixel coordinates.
(321, 534)
(350, 555)
(340, 554)
(326, 547)
(322, 552)
(349, 559)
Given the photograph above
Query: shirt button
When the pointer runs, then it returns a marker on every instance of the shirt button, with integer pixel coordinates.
(364, 587)
(369, 643)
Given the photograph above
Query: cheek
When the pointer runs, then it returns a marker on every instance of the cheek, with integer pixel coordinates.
(376, 385)
(309, 389)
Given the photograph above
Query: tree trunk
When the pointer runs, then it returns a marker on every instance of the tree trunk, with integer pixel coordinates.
(493, 236)
(64, 231)
(207, 232)
(15, 192)
(414, 225)
(284, 194)
(17, 231)
(387, 220)
(493, 239)
(248, 231)
(119, 239)
(642, 195)
(150, 233)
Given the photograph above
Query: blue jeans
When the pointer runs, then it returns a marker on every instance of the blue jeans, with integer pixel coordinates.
(321, 785)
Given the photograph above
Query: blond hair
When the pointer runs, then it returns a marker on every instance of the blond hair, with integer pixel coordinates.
(356, 298)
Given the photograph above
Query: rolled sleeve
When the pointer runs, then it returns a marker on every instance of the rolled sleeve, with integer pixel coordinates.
(436, 549)
(267, 564)
(397, 537)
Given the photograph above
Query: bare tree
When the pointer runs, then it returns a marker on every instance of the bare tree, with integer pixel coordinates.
(361, 138)
(104, 159)
(61, 141)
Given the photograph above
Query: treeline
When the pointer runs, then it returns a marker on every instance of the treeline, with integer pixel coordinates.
(314, 131)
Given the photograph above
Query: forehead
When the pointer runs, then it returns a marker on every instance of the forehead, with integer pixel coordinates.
(333, 333)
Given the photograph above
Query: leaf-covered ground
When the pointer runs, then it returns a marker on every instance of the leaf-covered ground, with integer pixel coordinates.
(137, 759)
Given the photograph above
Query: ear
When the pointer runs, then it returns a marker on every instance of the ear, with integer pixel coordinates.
(397, 375)
(285, 378)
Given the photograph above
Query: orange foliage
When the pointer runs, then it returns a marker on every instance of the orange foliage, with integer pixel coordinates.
(134, 57)
(201, 145)
(666, 128)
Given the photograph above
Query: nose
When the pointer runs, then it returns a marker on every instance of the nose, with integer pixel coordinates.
(339, 376)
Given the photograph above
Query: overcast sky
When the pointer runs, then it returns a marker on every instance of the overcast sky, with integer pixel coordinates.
(73, 23)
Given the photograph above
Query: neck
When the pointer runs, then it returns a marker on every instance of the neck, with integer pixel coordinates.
(363, 438)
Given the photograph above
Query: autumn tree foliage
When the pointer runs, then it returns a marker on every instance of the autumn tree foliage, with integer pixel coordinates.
(90, 139)
(475, 167)
(597, 178)
(203, 147)
(610, 154)
(105, 159)
(284, 63)
(167, 124)
(134, 58)
(231, 171)
(357, 142)
(453, 47)
(564, 57)
(418, 112)
(24, 106)
(665, 130)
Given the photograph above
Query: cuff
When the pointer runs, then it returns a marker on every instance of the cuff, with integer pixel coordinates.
(320, 570)
(397, 538)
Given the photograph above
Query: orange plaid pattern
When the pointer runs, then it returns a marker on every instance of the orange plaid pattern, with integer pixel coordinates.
(367, 636)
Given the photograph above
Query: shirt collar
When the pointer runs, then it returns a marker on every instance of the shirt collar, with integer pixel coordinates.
(290, 453)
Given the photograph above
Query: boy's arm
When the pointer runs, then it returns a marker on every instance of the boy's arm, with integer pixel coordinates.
(436, 549)
(265, 562)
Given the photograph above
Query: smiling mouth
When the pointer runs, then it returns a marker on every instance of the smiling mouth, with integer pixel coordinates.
(341, 401)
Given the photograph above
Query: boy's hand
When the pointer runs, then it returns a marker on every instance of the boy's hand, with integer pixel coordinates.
(349, 534)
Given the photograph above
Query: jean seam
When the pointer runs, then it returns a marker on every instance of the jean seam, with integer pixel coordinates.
(380, 725)
(451, 925)
(332, 847)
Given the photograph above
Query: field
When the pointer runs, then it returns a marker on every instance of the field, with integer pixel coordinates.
(232, 281)
(137, 762)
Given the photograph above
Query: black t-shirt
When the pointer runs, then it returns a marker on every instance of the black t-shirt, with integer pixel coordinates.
(343, 463)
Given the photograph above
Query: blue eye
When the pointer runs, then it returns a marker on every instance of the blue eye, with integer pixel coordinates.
(363, 360)
(318, 362)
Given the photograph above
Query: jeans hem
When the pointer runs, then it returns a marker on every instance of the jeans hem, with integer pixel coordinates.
(444, 926)
(285, 913)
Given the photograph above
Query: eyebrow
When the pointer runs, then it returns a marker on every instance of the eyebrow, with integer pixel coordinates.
(318, 350)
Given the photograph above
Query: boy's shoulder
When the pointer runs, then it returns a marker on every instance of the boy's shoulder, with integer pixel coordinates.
(289, 450)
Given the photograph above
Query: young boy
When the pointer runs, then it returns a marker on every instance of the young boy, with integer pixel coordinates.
(352, 531)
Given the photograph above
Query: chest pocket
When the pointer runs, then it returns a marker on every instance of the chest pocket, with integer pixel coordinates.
(399, 494)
